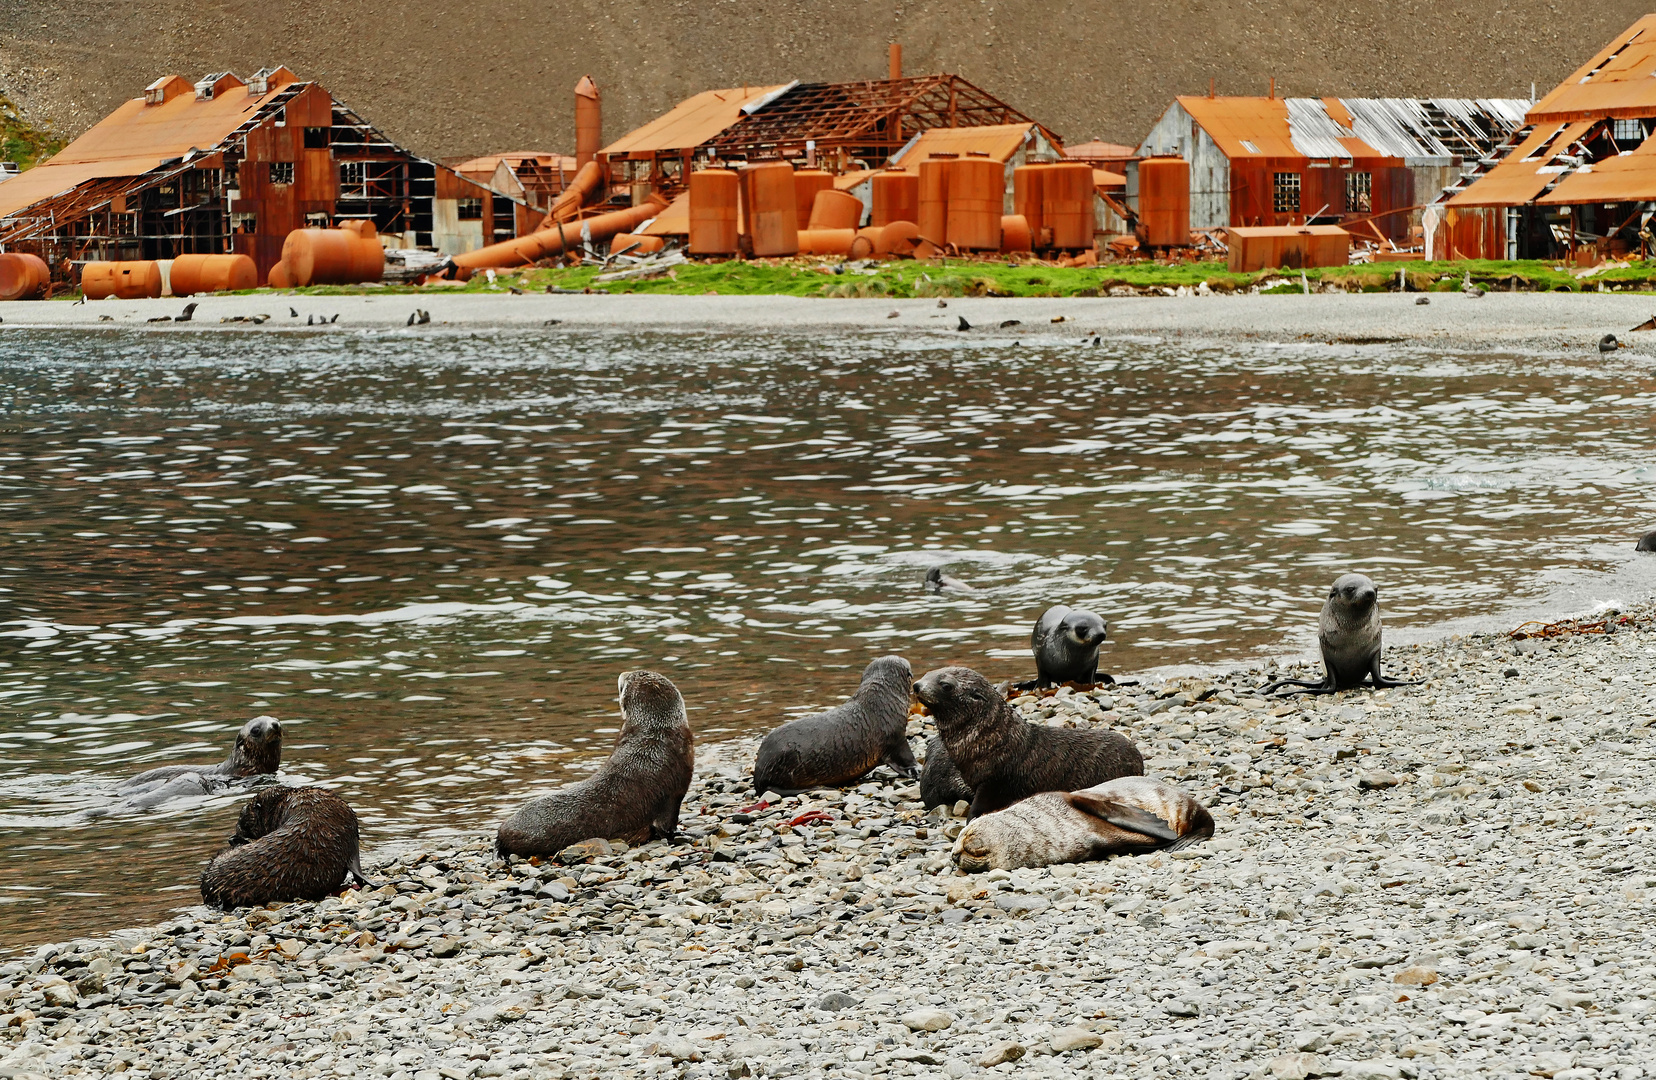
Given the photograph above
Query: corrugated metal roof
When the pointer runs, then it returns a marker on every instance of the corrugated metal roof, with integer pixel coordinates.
(1629, 177)
(1617, 82)
(1424, 131)
(691, 122)
(1230, 121)
(1519, 177)
(1097, 149)
(999, 141)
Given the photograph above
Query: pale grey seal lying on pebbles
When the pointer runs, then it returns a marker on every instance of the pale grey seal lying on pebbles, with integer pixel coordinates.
(290, 844)
(836, 747)
(1002, 758)
(1348, 630)
(634, 796)
(1129, 814)
(937, 581)
(258, 752)
(940, 781)
(1065, 643)
(1647, 542)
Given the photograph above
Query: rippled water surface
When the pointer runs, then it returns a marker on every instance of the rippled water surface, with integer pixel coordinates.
(431, 556)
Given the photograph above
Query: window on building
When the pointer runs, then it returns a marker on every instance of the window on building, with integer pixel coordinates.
(353, 177)
(470, 209)
(1285, 193)
(1359, 193)
(1628, 133)
(281, 172)
(316, 138)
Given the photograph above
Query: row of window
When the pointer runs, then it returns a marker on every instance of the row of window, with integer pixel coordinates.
(1285, 193)
(352, 174)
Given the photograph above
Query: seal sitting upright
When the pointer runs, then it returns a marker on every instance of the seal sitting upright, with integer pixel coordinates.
(1348, 630)
(634, 796)
(258, 752)
(1127, 815)
(1065, 642)
(290, 844)
(1002, 758)
(836, 747)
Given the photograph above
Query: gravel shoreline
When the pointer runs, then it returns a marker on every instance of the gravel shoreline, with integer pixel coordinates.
(1446, 880)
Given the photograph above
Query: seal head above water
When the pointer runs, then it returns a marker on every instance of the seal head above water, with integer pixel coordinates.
(256, 756)
(1348, 632)
(1065, 642)
(290, 844)
(937, 581)
(829, 749)
(634, 796)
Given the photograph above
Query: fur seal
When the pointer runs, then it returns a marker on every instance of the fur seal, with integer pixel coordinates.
(1127, 815)
(257, 753)
(1002, 758)
(1065, 643)
(1647, 542)
(832, 748)
(937, 581)
(1348, 630)
(290, 844)
(940, 782)
(634, 796)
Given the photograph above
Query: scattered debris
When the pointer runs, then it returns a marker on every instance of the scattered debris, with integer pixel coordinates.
(1648, 324)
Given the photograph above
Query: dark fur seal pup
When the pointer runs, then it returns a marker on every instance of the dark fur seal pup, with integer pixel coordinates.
(290, 844)
(634, 796)
(940, 781)
(1128, 815)
(1002, 758)
(1349, 632)
(1065, 643)
(1647, 542)
(937, 581)
(836, 747)
(257, 753)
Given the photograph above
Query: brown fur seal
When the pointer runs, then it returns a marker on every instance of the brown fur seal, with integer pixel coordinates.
(634, 796)
(1065, 642)
(1126, 815)
(940, 781)
(1348, 630)
(836, 747)
(290, 844)
(1002, 758)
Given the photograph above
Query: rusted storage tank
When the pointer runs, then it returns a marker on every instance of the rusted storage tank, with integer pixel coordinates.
(638, 243)
(589, 127)
(835, 210)
(23, 276)
(193, 274)
(770, 207)
(1164, 202)
(280, 277)
(868, 239)
(897, 238)
(1015, 234)
(343, 256)
(713, 201)
(977, 192)
(1026, 198)
(1067, 205)
(826, 241)
(807, 182)
(895, 195)
(127, 280)
(933, 217)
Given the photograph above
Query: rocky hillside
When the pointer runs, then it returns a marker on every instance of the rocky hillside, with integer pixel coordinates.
(447, 79)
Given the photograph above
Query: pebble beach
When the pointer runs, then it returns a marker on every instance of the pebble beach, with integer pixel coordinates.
(1444, 880)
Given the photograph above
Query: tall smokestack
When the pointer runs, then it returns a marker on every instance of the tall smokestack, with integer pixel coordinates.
(589, 124)
(896, 60)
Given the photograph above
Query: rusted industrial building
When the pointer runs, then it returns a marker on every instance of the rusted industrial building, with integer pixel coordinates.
(536, 177)
(226, 166)
(1583, 181)
(1268, 161)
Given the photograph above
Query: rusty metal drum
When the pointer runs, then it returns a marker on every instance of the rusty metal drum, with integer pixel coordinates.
(713, 201)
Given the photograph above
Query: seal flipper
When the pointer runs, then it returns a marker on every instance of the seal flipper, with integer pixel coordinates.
(1123, 816)
(354, 870)
(1383, 683)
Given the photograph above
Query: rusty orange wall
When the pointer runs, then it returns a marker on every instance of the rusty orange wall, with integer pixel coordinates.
(1472, 232)
(1252, 183)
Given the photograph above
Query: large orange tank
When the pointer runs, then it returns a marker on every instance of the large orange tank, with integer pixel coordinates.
(867, 240)
(558, 238)
(826, 241)
(23, 276)
(1026, 198)
(897, 238)
(713, 199)
(1015, 234)
(589, 127)
(807, 182)
(344, 256)
(192, 274)
(280, 277)
(977, 193)
(770, 207)
(895, 194)
(835, 210)
(127, 280)
(933, 202)
(1067, 205)
(1164, 202)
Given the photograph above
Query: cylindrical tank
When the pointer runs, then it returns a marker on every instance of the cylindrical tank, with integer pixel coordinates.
(589, 127)
(826, 241)
(639, 243)
(192, 274)
(713, 212)
(866, 243)
(897, 238)
(933, 201)
(23, 276)
(1026, 197)
(770, 207)
(977, 192)
(343, 256)
(280, 277)
(835, 210)
(127, 280)
(895, 194)
(1164, 202)
(558, 238)
(807, 182)
(1015, 234)
(1067, 205)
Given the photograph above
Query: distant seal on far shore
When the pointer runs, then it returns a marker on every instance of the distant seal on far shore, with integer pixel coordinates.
(1348, 630)
(1647, 542)
(836, 747)
(1065, 642)
(258, 752)
(1003, 758)
(290, 844)
(940, 782)
(634, 796)
(1126, 815)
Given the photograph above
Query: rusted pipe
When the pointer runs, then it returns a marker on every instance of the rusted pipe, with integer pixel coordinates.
(559, 238)
(589, 127)
(583, 189)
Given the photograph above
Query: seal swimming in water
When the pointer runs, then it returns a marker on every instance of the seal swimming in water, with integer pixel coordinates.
(1126, 815)
(258, 752)
(1002, 758)
(940, 782)
(1065, 643)
(634, 796)
(832, 748)
(1647, 542)
(937, 581)
(290, 844)
(1348, 630)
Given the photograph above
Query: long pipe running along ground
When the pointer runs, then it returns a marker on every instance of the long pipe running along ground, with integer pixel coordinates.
(560, 237)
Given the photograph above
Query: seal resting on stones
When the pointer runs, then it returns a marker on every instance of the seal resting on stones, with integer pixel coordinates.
(290, 844)
(1002, 758)
(836, 747)
(1126, 815)
(940, 781)
(257, 753)
(1348, 630)
(1065, 643)
(634, 796)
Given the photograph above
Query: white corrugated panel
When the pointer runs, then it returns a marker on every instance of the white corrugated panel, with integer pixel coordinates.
(1313, 132)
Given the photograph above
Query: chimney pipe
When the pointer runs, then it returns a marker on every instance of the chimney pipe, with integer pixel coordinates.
(896, 60)
(589, 126)
(1273, 87)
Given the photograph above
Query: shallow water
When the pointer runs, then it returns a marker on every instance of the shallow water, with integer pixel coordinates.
(430, 556)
